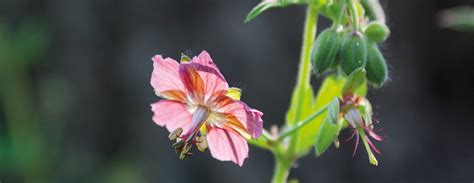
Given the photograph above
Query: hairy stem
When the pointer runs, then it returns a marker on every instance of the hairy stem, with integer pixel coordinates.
(304, 73)
(354, 14)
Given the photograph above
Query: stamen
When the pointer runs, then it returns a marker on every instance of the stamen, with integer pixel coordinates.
(192, 136)
(356, 145)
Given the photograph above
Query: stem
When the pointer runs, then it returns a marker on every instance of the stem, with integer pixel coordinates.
(374, 10)
(342, 9)
(281, 171)
(301, 124)
(303, 82)
(354, 15)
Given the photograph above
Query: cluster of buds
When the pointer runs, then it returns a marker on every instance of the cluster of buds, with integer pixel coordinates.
(351, 42)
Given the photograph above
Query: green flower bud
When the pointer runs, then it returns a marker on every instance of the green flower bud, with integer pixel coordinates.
(377, 72)
(353, 52)
(377, 32)
(324, 50)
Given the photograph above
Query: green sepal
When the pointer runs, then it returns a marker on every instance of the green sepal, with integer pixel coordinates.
(329, 129)
(355, 81)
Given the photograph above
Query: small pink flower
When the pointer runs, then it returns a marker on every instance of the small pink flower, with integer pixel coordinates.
(361, 126)
(200, 103)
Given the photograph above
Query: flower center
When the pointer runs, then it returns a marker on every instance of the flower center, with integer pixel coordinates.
(193, 137)
(200, 116)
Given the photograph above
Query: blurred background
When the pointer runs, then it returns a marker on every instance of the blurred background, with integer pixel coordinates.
(75, 92)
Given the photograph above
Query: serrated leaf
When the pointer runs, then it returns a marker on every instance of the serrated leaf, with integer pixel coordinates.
(329, 89)
(355, 80)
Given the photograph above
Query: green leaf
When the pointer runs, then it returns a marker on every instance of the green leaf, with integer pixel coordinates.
(265, 5)
(329, 129)
(355, 80)
(307, 109)
(260, 8)
(330, 88)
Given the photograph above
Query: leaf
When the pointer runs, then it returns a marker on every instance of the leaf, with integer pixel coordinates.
(260, 8)
(330, 88)
(355, 80)
(306, 109)
(265, 5)
(329, 129)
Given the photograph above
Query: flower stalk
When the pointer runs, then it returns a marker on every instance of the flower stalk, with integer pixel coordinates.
(304, 73)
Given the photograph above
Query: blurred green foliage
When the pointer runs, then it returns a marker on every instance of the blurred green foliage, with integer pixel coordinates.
(458, 18)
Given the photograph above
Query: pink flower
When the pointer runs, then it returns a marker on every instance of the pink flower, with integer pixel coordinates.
(200, 103)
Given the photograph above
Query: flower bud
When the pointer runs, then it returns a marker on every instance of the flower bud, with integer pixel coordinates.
(376, 67)
(353, 52)
(377, 32)
(324, 51)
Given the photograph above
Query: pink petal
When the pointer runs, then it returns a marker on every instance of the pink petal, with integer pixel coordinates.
(227, 145)
(212, 80)
(250, 119)
(374, 135)
(205, 59)
(372, 145)
(172, 114)
(165, 78)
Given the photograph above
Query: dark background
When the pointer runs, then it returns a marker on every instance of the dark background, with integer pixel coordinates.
(99, 62)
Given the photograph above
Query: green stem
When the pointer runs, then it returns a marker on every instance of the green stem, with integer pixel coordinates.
(304, 73)
(301, 124)
(374, 10)
(354, 14)
(281, 171)
(342, 8)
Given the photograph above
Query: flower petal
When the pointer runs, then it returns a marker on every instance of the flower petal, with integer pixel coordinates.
(227, 145)
(165, 78)
(172, 114)
(205, 59)
(239, 115)
(210, 80)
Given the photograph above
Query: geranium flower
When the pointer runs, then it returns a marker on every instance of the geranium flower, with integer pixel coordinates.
(361, 125)
(199, 102)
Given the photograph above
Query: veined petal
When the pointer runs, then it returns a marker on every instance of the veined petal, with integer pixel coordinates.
(172, 114)
(210, 81)
(205, 59)
(239, 115)
(192, 81)
(227, 145)
(165, 78)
